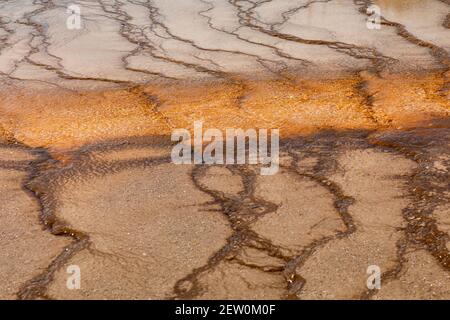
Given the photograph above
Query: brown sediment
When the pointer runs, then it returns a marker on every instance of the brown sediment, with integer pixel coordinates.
(27, 248)
(241, 211)
(39, 186)
(428, 189)
(421, 278)
(364, 158)
(446, 22)
(318, 173)
(243, 208)
(96, 135)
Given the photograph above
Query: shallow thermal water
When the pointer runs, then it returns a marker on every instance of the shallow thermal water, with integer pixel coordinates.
(140, 41)
(91, 90)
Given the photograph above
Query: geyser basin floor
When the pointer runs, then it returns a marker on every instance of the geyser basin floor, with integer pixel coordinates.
(86, 178)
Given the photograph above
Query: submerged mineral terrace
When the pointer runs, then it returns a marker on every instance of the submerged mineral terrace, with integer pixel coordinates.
(86, 177)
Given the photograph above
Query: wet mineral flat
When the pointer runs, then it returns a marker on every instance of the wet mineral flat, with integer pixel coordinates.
(91, 91)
